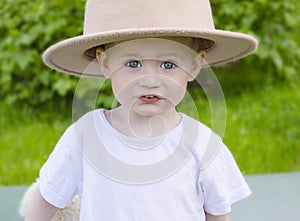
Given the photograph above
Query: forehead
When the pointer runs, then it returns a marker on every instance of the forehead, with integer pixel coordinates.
(153, 47)
(188, 42)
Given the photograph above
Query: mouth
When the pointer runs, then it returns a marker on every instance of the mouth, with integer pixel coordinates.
(149, 98)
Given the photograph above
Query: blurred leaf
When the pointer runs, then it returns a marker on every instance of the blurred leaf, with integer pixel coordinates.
(62, 86)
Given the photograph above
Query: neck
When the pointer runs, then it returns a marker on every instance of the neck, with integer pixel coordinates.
(133, 124)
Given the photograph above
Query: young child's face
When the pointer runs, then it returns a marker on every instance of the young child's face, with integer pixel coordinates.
(149, 76)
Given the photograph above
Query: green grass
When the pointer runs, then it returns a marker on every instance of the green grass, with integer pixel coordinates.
(262, 131)
(262, 125)
(26, 139)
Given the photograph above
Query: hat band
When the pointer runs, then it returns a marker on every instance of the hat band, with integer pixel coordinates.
(203, 44)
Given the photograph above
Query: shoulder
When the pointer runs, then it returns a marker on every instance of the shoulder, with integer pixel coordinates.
(201, 128)
(88, 120)
(86, 124)
(207, 143)
(89, 116)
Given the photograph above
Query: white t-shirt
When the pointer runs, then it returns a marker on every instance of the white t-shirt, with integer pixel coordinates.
(173, 191)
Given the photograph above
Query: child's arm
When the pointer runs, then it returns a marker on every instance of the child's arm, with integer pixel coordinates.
(210, 217)
(39, 209)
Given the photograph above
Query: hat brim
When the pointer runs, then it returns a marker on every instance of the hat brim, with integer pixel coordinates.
(68, 56)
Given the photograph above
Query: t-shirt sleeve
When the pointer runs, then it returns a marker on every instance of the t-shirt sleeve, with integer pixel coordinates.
(60, 176)
(222, 183)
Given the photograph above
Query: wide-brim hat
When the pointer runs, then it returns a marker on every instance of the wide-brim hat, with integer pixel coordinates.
(109, 21)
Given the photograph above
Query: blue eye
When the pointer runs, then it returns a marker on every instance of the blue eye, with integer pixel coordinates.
(168, 65)
(134, 64)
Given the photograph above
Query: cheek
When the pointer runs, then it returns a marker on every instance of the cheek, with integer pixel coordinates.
(116, 87)
(177, 91)
(118, 82)
(180, 82)
(119, 91)
(122, 89)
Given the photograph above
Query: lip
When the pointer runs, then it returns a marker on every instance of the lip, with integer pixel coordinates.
(149, 98)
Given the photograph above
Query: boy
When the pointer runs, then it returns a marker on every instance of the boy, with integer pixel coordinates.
(141, 160)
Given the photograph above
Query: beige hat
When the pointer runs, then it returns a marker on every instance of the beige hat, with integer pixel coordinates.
(114, 20)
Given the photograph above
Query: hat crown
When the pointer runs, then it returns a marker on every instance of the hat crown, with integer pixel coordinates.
(118, 20)
(112, 15)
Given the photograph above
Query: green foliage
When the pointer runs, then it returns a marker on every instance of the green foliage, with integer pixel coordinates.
(27, 28)
(276, 26)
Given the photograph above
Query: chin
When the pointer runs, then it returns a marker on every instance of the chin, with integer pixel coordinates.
(148, 113)
(150, 110)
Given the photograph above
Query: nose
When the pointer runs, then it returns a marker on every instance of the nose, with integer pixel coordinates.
(150, 77)
(149, 81)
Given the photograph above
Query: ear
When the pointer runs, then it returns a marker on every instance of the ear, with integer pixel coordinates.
(197, 65)
(103, 62)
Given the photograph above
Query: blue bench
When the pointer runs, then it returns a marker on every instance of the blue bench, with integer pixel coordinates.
(275, 197)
